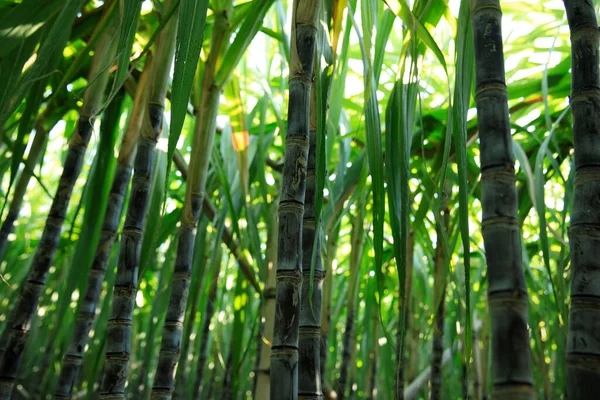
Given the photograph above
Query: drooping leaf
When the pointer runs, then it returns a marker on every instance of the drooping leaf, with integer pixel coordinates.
(190, 35)
(242, 40)
(56, 40)
(403, 11)
(24, 20)
(129, 14)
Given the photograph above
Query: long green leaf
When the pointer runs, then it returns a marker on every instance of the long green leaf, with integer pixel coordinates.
(400, 115)
(56, 40)
(190, 35)
(539, 201)
(403, 11)
(33, 102)
(374, 154)
(462, 93)
(244, 36)
(130, 14)
(12, 65)
(24, 21)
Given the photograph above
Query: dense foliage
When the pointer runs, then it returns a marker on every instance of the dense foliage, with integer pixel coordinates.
(397, 203)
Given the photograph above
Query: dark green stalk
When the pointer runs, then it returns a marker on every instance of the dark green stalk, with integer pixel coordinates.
(207, 317)
(583, 345)
(268, 312)
(19, 322)
(373, 356)
(400, 359)
(213, 380)
(355, 258)
(465, 378)
(477, 386)
(208, 208)
(352, 375)
(439, 299)
(202, 144)
(41, 360)
(200, 258)
(331, 247)
(118, 333)
(309, 375)
(507, 291)
(284, 352)
(412, 342)
(485, 356)
(86, 314)
(227, 392)
(146, 353)
(181, 374)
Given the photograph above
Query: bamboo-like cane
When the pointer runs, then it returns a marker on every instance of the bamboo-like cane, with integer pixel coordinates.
(439, 298)
(309, 376)
(86, 314)
(507, 291)
(284, 353)
(583, 344)
(17, 330)
(118, 333)
(349, 342)
(203, 138)
(262, 390)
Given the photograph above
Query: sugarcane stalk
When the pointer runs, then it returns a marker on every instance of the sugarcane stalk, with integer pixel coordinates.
(464, 376)
(181, 377)
(349, 343)
(409, 327)
(209, 209)
(331, 248)
(413, 388)
(86, 314)
(583, 344)
(207, 317)
(373, 356)
(213, 379)
(439, 297)
(118, 333)
(309, 375)
(539, 360)
(182, 373)
(352, 374)
(19, 323)
(507, 290)
(202, 144)
(227, 392)
(153, 324)
(478, 367)
(284, 353)
(262, 390)
(485, 357)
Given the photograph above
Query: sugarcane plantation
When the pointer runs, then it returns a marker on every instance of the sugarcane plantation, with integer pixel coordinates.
(299, 199)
